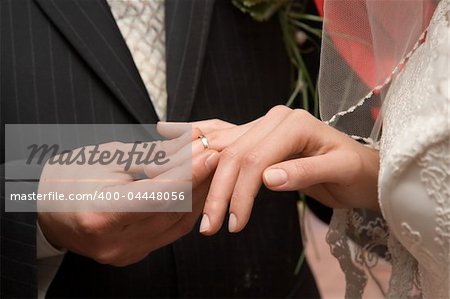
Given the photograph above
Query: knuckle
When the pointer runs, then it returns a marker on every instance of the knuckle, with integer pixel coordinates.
(91, 224)
(301, 114)
(278, 109)
(106, 255)
(218, 124)
(252, 159)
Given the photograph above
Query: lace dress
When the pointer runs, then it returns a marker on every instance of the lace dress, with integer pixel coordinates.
(413, 232)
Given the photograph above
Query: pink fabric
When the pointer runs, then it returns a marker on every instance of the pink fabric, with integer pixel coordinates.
(360, 57)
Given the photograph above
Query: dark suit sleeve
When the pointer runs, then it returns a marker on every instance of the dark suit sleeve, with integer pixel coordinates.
(18, 254)
(17, 230)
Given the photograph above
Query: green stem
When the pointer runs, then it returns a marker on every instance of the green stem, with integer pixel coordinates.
(307, 28)
(305, 99)
(272, 9)
(304, 83)
(301, 259)
(287, 37)
(307, 17)
(298, 86)
(305, 72)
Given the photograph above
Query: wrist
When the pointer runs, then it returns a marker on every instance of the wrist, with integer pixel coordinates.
(371, 166)
(45, 228)
(45, 249)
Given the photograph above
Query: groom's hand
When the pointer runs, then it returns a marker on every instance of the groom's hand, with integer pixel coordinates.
(123, 238)
(287, 150)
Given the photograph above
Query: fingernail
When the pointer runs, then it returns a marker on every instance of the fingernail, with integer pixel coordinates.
(275, 177)
(204, 225)
(232, 223)
(211, 161)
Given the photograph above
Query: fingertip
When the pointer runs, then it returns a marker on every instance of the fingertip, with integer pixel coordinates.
(212, 220)
(204, 224)
(232, 223)
(212, 160)
(236, 223)
(275, 177)
(207, 226)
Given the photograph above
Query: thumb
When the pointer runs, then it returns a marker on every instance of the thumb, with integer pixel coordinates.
(297, 174)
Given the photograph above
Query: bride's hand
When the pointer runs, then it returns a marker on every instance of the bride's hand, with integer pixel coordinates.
(220, 134)
(287, 150)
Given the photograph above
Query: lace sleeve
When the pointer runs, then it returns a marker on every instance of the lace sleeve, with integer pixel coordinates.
(358, 239)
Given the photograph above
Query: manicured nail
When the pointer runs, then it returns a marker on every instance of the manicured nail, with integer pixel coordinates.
(275, 177)
(211, 161)
(232, 223)
(204, 225)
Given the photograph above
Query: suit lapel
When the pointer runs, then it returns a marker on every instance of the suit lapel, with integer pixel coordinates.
(90, 27)
(187, 27)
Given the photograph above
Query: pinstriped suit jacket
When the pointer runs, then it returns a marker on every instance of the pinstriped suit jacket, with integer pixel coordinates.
(64, 61)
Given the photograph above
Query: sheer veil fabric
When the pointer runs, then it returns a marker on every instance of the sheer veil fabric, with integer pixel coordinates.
(384, 75)
(374, 38)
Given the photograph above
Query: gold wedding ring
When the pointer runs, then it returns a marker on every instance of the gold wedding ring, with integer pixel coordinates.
(204, 141)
